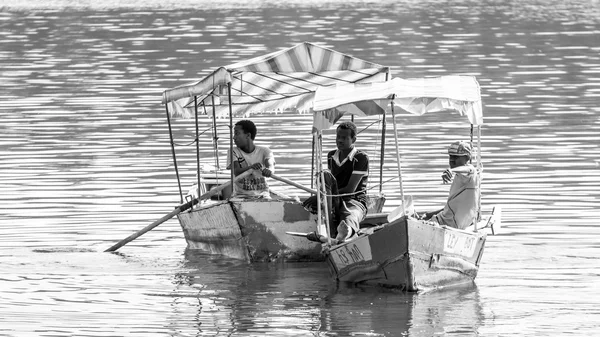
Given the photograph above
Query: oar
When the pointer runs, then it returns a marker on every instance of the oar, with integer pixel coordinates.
(320, 238)
(287, 181)
(177, 210)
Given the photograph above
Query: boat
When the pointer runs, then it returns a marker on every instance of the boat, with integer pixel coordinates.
(411, 254)
(397, 249)
(286, 80)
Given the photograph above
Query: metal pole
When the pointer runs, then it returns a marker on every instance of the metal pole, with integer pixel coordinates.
(398, 158)
(173, 153)
(381, 158)
(312, 160)
(215, 135)
(230, 134)
(323, 187)
(480, 169)
(471, 143)
(318, 183)
(197, 144)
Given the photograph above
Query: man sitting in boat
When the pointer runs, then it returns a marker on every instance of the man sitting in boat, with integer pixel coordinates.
(346, 177)
(460, 210)
(246, 156)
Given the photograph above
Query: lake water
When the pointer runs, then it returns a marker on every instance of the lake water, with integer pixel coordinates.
(85, 161)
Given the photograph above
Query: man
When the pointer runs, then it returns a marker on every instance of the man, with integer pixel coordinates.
(350, 167)
(246, 156)
(460, 210)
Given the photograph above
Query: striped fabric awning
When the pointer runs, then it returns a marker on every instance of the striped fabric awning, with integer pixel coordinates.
(285, 80)
(417, 96)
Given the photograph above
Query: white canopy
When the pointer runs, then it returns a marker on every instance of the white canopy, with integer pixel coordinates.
(417, 96)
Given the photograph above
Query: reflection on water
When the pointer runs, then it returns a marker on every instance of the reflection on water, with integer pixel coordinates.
(85, 161)
(276, 299)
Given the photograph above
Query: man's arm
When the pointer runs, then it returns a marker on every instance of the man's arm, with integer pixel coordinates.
(464, 169)
(428, 215)
(237, 166)
(448, 174)
(238, 169)
(269, 166)
(361, 168)
(352, 184)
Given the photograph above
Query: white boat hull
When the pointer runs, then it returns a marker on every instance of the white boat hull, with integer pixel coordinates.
(409, 254)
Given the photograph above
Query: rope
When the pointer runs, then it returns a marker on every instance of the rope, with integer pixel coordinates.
(356, 192)
(187, 144)
(193, 141)
(368, 126)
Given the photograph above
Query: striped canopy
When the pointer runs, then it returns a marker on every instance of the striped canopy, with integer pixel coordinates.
(417, 96)
(285, 80)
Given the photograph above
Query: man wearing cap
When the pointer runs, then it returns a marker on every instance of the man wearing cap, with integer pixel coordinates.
(460, 210)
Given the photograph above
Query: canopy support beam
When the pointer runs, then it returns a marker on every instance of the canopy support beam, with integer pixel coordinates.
(231, 136)
(173, 153)
(480, 169)
(398, 158)
(215, 134)
(382, 155)
(197, 145)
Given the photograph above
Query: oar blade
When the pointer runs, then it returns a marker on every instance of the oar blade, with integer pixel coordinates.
(297, 234)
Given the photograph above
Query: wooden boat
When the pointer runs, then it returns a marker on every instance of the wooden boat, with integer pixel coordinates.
(255, 230)
(286, 80)
(411, 254)
(405, 252)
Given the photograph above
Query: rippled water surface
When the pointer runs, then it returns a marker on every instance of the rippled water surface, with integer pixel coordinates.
(85, 160)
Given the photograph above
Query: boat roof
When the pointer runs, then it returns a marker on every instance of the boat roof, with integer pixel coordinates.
(416, 96)
(283, 80)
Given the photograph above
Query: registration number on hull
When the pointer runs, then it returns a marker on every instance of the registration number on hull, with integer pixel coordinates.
(353, 252)
(460, 244)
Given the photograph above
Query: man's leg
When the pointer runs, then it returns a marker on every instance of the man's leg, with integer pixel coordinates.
(351, 214)
(333, 203)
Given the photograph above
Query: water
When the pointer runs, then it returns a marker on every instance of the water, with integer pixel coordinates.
(85, 161)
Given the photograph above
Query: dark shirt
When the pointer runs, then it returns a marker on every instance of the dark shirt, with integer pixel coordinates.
(357, 162)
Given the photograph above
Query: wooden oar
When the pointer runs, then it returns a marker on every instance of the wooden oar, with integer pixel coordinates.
(287, 181)
(320, 238)
(177, 210)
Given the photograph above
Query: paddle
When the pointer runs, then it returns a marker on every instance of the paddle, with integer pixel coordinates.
(287, 181)
(316, 238)
(177, 210)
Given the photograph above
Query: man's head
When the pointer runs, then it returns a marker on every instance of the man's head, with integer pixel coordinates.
(460, 153)
(345, 135)
(244, 132)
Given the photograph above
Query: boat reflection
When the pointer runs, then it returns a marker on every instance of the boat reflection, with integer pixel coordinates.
(232, 297)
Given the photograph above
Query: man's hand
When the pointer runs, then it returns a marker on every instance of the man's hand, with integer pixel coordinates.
(266, 172)
(257, 166)
(447, 176)
(424, 216)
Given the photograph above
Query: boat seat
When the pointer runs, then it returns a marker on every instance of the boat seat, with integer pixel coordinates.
(374, 219)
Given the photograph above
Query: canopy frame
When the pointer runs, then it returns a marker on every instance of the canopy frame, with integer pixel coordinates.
(285, 79)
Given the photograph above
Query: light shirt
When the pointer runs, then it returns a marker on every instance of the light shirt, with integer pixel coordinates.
(254, 185)
(460, 210)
